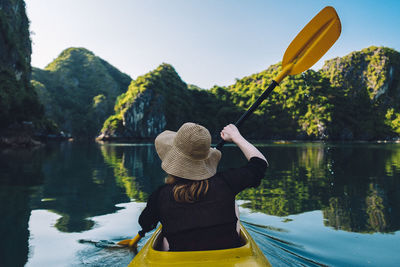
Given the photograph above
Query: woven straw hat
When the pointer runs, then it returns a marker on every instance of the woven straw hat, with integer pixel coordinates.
(187, 152)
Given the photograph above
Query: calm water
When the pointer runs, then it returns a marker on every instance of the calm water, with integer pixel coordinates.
(320, 204)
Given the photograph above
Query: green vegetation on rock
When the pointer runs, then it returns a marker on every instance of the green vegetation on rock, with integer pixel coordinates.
(353, 97)
(367, 82)
(78, 91)
(300, 108)
(160, 100)
(18, 100)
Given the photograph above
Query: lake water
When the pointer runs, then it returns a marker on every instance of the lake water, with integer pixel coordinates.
(319, 204)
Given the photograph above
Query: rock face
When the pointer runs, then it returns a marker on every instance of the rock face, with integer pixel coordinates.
(140, 120)
(368, 106)
(373, 71)
(78, 91)
(18, 100)
(153, 102)
(160, 100)
(143, 119)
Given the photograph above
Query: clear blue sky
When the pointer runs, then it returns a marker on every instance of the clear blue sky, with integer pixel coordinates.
(207, 41)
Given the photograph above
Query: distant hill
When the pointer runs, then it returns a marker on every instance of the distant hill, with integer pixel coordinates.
(355, 97)
(78, 91)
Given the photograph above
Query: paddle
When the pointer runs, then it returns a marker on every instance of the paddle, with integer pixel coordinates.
(130, 242)
(304, 51)
(312, 42)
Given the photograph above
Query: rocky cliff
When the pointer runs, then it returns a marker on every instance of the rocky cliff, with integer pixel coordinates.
(160, 100)
(367, 82)
(373, 71)
(18, 100)
(153, 102)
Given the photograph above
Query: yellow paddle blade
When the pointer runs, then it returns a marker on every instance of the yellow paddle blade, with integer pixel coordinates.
(311, 43)
(130, 242)
(124, 242)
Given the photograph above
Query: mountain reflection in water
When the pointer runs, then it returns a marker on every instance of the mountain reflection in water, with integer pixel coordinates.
(354, 188)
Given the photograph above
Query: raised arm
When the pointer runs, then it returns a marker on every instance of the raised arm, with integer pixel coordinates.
(231, 134)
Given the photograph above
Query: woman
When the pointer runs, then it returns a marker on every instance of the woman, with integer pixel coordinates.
(196, 206)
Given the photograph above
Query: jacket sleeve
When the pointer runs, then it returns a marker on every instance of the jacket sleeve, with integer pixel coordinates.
(149, 217)
(249, 175)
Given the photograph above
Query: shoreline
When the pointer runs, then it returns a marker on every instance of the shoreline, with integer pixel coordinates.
(254, 141)
(19, 141)
(25, 141)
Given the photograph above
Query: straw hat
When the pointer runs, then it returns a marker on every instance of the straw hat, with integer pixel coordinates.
(187, 152)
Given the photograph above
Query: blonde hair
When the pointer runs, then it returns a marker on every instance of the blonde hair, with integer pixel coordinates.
(187, 191)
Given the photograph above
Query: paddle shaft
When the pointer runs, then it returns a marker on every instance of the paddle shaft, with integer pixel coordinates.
(130, 242)
(253, 107)
(135, 240)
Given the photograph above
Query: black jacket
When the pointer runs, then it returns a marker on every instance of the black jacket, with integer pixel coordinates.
(209, 223)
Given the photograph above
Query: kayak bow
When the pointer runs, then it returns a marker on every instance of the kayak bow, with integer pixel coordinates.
(249, 254)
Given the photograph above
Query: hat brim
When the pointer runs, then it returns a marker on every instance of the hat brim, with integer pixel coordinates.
(176, 163)
(164, 142)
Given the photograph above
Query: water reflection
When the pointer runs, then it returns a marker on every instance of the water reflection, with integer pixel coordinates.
(297, 181)
(365, 193)
(354, 186)
(351, 184)
(367, 209)
(20, 173)
(136, 169)
(78, 185)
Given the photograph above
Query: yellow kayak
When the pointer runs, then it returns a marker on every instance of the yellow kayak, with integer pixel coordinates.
(247, 255)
